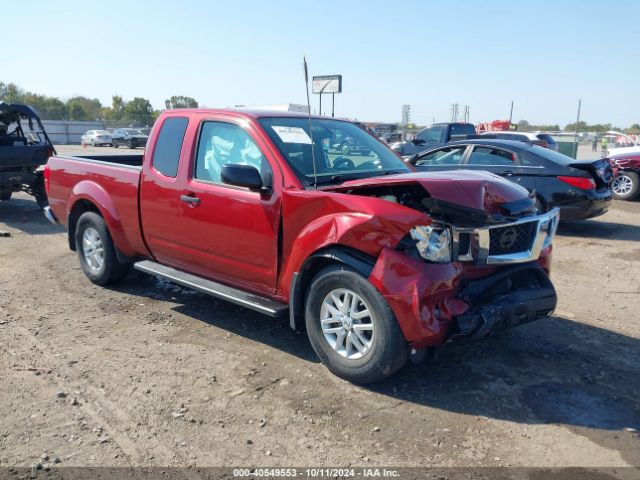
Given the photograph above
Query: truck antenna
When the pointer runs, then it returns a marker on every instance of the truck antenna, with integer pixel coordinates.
(313, 150)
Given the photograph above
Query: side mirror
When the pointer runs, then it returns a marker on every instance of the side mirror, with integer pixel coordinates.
(242, 176)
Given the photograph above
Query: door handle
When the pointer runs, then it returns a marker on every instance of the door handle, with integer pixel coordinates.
(508, 173)
(193, 201)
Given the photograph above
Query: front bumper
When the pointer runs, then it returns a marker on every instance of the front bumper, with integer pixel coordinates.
(507, 298)
(435, 302)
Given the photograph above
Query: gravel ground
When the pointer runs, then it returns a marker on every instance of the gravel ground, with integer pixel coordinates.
(149, 374)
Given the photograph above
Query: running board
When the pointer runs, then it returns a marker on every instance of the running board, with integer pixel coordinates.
(260, 304)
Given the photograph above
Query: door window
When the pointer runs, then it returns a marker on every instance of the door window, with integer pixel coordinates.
(443, 156)
(224, 143)
(167, 152)
(491, 157)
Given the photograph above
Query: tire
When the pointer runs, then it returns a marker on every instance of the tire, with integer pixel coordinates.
(93, 143)
(5, 195)
(93, 244)
(131, 144)
(115, 145)
(626, 186)
(382, 349)
(345, 149)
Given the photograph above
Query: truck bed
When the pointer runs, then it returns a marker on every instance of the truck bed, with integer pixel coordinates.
(115, 179)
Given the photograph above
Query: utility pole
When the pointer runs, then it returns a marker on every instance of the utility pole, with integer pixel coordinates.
(575, 140)
(511, 114)
(406, 115)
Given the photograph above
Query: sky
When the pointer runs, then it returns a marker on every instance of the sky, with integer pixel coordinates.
(544, 55)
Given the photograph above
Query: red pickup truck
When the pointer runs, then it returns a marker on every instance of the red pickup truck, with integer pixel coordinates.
(378, 262)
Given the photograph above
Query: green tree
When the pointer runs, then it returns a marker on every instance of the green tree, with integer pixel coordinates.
(139, 110)
(180, 101)
(83, 108)
(11, 93)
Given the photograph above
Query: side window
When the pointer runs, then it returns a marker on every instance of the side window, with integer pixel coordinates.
(491, 156)
(223, 143)
(167, 152)
(444, 156)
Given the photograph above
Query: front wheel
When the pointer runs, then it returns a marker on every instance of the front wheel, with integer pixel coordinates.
(97, 252)
(351, 327)
(626, 186)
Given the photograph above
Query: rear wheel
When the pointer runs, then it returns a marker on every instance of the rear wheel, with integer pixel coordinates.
(626, 186)
(96, 251)
(352, 328)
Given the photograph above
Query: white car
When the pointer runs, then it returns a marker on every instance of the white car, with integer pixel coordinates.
(97, 137)
(541, 139)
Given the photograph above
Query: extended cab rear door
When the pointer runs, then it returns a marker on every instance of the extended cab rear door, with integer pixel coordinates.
(160, 190)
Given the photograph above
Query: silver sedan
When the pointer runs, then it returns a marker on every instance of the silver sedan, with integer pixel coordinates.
(97, 137)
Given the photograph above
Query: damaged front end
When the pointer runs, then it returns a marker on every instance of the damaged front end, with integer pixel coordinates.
(477, 261)
(510, 297)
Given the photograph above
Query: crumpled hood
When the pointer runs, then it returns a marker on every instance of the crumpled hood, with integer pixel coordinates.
(466, 188)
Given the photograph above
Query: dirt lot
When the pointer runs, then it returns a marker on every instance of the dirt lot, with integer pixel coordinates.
(148, 374)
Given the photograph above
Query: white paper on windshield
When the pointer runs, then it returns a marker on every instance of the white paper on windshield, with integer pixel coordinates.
(292, 134)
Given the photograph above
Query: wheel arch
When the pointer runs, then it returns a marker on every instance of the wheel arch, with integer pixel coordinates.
(90, 197)
(330, 255)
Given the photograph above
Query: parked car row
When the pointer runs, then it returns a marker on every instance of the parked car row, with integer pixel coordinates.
(120, 137)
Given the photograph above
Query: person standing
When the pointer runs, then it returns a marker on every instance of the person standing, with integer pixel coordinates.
(605, 144)
(594, 144)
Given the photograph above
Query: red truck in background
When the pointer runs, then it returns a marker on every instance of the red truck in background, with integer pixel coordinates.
(376, 261)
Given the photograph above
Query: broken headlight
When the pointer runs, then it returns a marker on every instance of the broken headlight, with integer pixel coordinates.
(433, 243)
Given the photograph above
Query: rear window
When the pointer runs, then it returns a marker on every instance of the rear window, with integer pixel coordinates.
(167, 152)
(552, 155)
(463, 129)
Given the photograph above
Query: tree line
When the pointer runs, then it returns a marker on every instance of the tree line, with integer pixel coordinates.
(581, 127)
(138, 110)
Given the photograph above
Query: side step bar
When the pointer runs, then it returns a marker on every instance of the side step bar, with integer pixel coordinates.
(260, 304)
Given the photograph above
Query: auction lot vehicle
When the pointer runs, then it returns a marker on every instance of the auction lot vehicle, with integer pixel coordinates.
(95, 138)
(128, 137)
(376, 261)
(581, 189)
(434, 136)
(24, 148)
(541, 139)
(626, 185)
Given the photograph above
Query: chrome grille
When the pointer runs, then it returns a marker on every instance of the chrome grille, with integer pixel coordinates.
(516, 242)
(511, 239)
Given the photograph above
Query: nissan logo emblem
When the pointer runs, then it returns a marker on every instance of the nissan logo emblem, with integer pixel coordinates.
(508, 238)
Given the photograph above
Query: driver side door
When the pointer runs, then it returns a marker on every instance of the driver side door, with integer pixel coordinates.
(230, 233)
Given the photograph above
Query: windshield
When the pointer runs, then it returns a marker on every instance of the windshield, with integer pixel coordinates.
(102, 132)
(131, 131)
(342, 150)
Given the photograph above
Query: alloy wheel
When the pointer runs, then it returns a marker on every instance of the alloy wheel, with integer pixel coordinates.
(93, 249)
(347, 323)
(622, 185)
